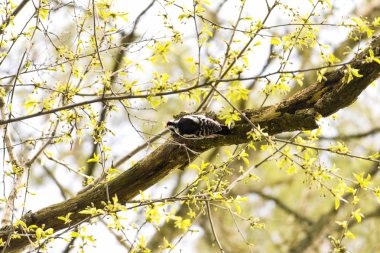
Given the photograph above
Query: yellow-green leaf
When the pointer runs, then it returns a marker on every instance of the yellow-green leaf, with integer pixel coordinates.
(275, 41)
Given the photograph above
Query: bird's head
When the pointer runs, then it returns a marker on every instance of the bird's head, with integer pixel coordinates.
(171, 125)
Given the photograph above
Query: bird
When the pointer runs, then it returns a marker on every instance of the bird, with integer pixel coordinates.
(197, 127)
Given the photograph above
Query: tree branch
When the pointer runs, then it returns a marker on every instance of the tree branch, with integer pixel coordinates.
(324, 221)
(12, 16)
(299, 112)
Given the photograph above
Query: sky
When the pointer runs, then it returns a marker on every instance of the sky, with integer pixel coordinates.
(151, 27)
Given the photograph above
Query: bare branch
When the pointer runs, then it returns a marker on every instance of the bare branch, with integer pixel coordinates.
(299, 112)
(315, 231)
(213, 227)
(12, 16)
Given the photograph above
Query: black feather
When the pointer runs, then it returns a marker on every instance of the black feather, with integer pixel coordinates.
(197, 126)
(187, 126)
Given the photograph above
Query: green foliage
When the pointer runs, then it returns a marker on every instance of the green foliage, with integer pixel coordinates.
(84, 92)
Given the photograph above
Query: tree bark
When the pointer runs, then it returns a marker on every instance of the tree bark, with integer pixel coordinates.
(298, 112)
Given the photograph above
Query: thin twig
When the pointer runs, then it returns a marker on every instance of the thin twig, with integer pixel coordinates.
(239, 231)
(18, 174)
(328, 150)
(250, 170)
(95, 37)
(97, 100)
(13, 15)
(213, 227)
(65, 165)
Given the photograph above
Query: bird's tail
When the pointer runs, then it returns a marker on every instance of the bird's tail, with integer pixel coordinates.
(225, 131)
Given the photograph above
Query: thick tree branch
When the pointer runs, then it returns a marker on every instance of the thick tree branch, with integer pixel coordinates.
(299, 112)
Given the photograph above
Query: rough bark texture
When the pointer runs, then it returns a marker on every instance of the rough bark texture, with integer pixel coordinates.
(296, 113)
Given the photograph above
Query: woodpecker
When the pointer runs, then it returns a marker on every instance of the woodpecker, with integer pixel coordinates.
(197, 127)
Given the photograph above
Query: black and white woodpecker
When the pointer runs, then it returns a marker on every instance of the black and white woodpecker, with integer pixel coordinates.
(197, 127)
